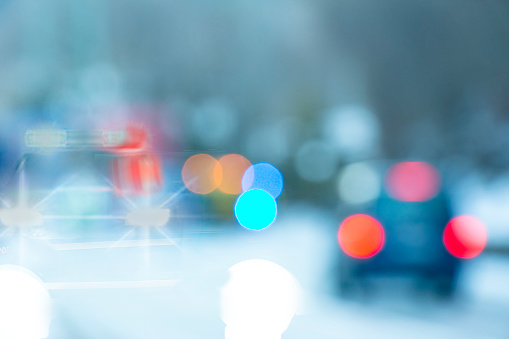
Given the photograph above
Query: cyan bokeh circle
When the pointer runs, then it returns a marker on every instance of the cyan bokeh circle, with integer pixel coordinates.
(255, 209)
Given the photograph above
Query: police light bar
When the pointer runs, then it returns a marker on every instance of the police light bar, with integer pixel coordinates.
(46, 138)
(72, 139)
(113, 138)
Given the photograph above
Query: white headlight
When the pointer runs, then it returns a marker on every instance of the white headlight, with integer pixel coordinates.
(21, 217)
(24, 304)
(259, 301)
(148, 217)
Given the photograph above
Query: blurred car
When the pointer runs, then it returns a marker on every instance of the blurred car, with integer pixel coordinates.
(400, 234)
(76, 196)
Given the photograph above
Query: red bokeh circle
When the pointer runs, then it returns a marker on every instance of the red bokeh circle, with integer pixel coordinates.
(413, 181)
(465, 237)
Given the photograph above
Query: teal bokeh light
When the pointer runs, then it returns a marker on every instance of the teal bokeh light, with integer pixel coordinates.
(255, 209)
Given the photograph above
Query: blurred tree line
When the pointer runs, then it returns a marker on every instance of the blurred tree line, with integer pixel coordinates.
(435, 73)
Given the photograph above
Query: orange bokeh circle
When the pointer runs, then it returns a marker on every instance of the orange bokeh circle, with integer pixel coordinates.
(202, 173)
(361, 236)
(234, 166)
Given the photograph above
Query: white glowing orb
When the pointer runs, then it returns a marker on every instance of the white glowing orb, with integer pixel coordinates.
(25, 311)
(316, 161)
(214, 122)
(359, 183)
(21, 217)
(259, 301)
(353, 130)
(155, 217)
(271, 143)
